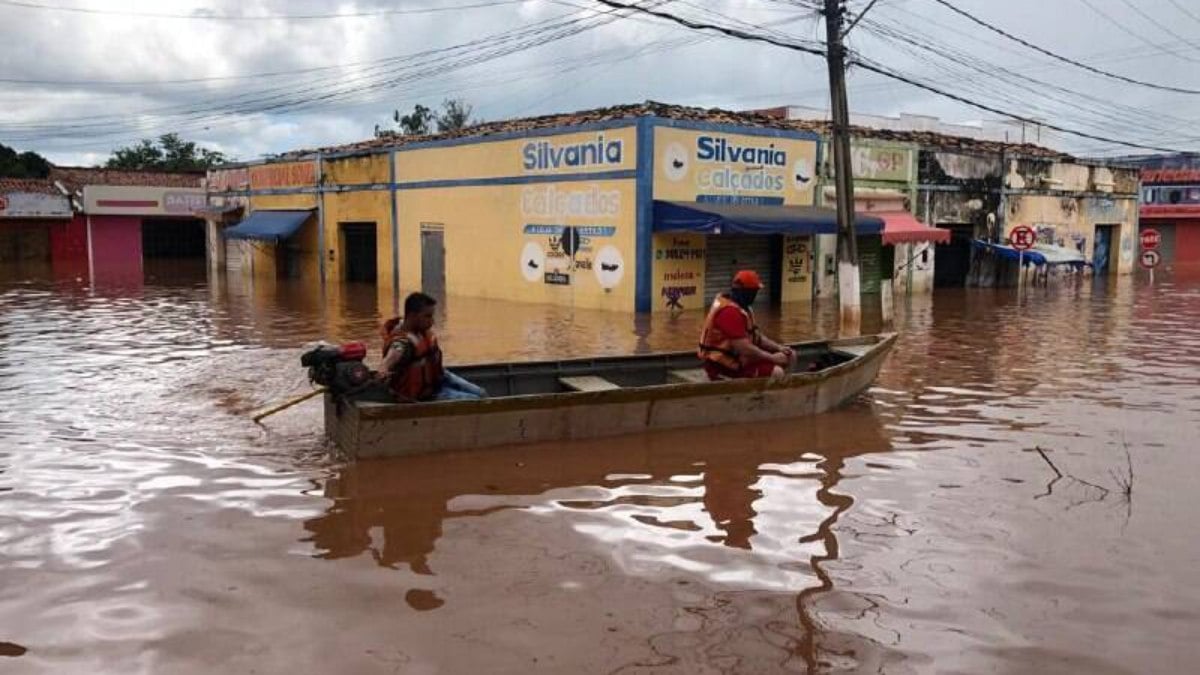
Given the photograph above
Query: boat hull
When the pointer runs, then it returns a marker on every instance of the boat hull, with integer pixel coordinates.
(366, 430)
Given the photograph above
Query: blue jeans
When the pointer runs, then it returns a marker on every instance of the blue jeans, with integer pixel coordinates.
(455, 388)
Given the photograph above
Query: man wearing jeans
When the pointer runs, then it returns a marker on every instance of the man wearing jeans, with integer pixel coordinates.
(412, 363)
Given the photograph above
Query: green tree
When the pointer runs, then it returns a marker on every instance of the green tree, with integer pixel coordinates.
(454, 115)
(168, 153)
(15, 164)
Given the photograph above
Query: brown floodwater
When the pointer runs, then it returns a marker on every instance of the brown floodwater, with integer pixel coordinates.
(147, 526)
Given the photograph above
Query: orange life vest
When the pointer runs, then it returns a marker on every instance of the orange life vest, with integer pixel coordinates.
(717, 347)
(422, 377)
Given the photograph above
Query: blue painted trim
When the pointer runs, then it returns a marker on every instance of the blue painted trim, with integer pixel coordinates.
(733, 129)
(623, 123)
(621, 174)
(644, 232)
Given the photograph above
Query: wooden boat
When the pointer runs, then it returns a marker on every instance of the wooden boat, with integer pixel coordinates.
(599, 397)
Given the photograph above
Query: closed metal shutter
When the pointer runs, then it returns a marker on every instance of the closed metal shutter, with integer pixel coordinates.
(870, 264)
(1166, 247)
(235, 254)
(729, 253)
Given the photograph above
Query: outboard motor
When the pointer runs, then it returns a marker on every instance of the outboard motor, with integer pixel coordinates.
(340, 368)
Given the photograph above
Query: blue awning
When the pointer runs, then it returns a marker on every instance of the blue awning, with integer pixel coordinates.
(1041, 254)
(268, 225)
(704, 218)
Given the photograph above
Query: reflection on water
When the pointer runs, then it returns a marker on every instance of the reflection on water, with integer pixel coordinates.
(148, 526)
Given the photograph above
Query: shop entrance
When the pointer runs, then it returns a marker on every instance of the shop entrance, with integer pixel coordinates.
(1102, 250)
(729, 253)
(173, 238)
(952, 261)
(359, 252)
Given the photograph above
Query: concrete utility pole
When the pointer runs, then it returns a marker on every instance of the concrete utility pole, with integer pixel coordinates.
(849, 288)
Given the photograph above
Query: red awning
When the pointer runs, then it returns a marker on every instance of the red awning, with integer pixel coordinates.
(900, 227)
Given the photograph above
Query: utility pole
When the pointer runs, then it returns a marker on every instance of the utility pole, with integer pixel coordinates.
(849, 288)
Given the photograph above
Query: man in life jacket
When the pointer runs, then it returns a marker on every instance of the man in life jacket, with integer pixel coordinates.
(412, 360)
(731, 345)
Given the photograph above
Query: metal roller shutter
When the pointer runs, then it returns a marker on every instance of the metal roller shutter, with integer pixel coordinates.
(729, 253)
(870, 264)
(235, 254)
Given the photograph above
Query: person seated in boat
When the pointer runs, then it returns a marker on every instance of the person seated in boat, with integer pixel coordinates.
(412, 360)
(731, 345)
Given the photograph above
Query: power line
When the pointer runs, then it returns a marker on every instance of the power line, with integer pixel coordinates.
(1185, 10)
(264, 17)
(1059, 57)
(879, 69)
(1125, 29)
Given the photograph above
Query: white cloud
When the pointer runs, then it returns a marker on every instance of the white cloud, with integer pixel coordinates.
(81, 123)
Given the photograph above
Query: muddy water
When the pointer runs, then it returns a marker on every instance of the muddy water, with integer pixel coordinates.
(146, 526)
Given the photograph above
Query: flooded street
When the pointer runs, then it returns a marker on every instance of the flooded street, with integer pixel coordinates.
(148, 526)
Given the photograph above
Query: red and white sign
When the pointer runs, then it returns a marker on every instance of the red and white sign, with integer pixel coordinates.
(3, 203)
(1022, 237)
(1150, 259)
(1150, 239)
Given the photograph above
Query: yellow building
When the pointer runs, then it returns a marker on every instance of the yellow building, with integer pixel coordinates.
(646, 208)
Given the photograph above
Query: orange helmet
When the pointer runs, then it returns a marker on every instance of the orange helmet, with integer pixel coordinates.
(747, 279)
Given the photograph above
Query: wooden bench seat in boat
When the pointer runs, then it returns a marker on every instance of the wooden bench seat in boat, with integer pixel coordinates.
(690, 376)
(587, 383)
(854, 350)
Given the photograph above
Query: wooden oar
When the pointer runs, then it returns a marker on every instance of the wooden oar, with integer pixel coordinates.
(287, 404)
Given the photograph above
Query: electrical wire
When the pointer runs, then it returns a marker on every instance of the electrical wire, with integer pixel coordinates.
(21, 4)
(1059, 57)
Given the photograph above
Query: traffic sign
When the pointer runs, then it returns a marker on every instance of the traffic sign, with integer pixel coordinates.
(1151, 258)
(1023, 237)
(1150, 239)
(3, 203)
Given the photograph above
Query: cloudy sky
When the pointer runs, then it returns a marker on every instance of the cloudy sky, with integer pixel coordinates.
(249, 77)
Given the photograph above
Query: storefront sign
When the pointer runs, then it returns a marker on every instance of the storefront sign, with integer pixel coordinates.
(186, 203)
(572, 153)
(34, 205)
(882, 163)
(292, 174)
(141, 201)
(1167, 176)
(226, 180)
(558, 279)
(706, 166)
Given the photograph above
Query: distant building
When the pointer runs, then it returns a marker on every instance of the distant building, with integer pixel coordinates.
(1171, 204)
(99, 223)
(1084, 211)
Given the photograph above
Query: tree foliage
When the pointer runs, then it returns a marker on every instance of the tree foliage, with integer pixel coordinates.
(454, 115)
(15, 164)
(168, 153)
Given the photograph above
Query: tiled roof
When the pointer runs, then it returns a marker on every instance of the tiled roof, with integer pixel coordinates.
(677, 112)
(620, 112)
(43, 186)
(75, 177)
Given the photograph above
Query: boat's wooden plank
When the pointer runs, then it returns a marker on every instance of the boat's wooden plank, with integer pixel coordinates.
(689, 376)
(854, 350)
(588, 383)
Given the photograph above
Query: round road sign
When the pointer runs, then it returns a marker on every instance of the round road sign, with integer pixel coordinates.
(1022, 237)
(1150, 259)
(1150, 239)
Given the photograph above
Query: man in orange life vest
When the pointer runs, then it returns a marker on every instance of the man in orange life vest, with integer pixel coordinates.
(731, 345)
(412, 360)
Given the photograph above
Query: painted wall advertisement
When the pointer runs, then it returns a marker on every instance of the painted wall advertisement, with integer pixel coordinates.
(678, 272)
(142, 201)
(706, 166)
(558, 245)
(882, 163)
(34, 205)
(796, 285)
